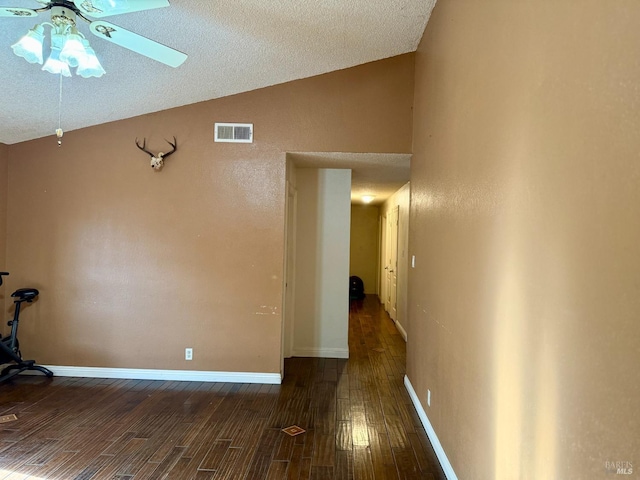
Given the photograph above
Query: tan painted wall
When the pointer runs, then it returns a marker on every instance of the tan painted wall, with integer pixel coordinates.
(400, 199)
(525, 300)
(321, 326)
(363, 261)
(135, 265)
(3, 229)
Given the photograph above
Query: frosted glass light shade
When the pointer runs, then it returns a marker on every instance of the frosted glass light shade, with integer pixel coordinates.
(73, 51)
(69, 48)
(29, 47)
(55, 65)
(90, 65)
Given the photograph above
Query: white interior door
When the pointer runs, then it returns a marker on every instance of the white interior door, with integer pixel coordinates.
(393, 264)
(383, 260)
(387, 264)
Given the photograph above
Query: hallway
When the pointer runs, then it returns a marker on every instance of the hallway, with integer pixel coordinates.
(358, 419)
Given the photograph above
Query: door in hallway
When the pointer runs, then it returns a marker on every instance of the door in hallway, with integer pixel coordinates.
(391, 303)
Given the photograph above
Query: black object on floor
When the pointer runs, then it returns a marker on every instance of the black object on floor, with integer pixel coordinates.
(356, 288)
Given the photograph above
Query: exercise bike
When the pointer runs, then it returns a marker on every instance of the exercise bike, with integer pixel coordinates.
(9, 346)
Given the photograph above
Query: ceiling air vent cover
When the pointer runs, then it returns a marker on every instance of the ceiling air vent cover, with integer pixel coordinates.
(234, 132)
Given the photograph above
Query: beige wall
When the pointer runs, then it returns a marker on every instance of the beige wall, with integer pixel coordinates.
(525, 298)
(400, 199)
(321, 324)
(3, 228)
(363, 257)
(135, 265)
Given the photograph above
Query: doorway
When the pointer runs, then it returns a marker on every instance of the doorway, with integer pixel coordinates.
(307, 331)
(391, 267)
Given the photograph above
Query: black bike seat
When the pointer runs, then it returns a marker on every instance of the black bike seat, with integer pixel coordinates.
(26, 293)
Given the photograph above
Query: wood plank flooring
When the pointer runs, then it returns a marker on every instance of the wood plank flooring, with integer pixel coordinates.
(359, 422)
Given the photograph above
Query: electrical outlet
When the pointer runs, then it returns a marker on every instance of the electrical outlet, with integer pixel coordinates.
(188, 353)
(428, 398)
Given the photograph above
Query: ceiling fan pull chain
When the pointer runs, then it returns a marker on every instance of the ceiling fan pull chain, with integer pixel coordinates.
(59, 131)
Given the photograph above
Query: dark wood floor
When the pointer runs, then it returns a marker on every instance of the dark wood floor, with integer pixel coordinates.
(359, 421)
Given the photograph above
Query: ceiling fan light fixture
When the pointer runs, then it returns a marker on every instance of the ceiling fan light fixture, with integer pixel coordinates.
(68, 45)
(73, 51)
(90, 65)
(54, 64)
(29, 47)
(69, 48)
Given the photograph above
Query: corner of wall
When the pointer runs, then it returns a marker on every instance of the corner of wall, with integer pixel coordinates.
(322, 263)
(291, 168)
(4, 184)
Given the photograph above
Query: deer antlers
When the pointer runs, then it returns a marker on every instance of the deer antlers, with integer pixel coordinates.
(157, 161)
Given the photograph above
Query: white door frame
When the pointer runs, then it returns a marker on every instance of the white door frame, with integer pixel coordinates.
(289, 283)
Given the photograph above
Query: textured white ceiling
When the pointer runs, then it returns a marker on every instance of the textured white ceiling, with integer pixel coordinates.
(233, 46)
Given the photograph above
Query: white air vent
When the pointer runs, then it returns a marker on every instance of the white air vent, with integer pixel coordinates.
(234, 132)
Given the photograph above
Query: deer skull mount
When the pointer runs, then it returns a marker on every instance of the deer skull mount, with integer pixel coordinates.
(157, 161)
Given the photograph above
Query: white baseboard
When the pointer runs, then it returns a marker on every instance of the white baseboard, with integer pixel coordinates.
(152, 374)
(431, 433)
(402, 331)
(321, 352)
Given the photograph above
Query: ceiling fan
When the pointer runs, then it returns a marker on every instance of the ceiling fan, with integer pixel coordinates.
(69, 48)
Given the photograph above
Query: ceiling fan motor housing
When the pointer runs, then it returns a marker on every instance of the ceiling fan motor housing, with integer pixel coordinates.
(63, 16)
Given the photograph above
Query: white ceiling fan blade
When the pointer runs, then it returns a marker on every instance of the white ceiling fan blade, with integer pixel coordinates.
(17, 12)
(105, 8)
(137, 43)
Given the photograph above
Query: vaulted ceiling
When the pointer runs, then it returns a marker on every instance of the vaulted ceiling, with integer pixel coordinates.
(233, 47)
